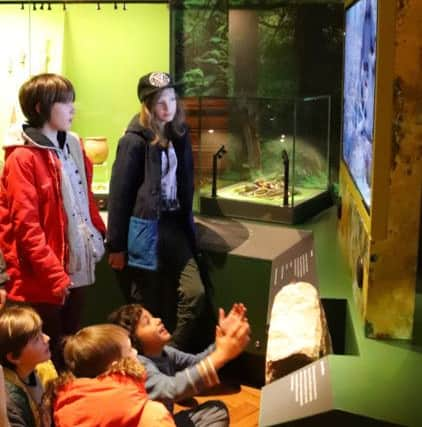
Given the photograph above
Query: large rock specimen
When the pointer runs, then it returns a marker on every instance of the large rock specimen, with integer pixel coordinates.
(298, 332)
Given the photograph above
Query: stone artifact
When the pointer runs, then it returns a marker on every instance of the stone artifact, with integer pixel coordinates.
(96, 149)
(298, 332)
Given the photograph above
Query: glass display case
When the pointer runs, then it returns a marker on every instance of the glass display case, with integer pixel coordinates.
(260, 158)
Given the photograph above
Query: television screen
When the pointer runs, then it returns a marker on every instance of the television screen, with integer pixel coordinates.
(359, 93)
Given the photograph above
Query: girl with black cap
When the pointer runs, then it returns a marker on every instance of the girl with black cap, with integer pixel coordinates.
(151, 236)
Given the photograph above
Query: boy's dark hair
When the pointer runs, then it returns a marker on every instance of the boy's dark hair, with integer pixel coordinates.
(127, 316)
(40, 92)
(18, 325)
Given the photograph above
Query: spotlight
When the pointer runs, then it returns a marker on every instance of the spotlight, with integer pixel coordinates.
(98, 6)
(42, 6)
(124, 5)
(34, 6)
(49, 6)
(22, 6)
(64, 6)
(115, 5)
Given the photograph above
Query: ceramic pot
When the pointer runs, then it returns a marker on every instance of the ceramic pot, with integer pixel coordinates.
(96, 149)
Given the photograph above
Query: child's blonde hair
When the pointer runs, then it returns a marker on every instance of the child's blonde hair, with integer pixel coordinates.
(148, 120)
(18, 325)
(92, 350)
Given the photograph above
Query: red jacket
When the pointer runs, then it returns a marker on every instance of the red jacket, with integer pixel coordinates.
(33, 220)
(111, 401)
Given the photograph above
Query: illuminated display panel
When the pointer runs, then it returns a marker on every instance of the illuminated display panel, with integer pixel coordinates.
(360, 55)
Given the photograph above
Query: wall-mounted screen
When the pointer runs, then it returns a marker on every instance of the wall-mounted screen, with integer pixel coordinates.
(359, 93)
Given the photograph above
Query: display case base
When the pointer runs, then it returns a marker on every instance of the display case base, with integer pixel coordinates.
(215, 206)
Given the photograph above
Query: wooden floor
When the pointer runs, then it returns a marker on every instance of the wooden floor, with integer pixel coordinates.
(242, 402)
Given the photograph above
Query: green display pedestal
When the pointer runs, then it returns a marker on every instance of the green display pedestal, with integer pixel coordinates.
(249, 263)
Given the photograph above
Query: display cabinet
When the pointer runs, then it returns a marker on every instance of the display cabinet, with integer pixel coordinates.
(260, 158)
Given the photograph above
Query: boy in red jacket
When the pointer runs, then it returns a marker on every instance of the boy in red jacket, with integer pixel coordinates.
(51, 232)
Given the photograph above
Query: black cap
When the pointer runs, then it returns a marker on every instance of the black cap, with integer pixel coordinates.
(152, 83)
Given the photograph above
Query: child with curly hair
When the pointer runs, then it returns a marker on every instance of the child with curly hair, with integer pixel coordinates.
(173, 375)
(104, 384)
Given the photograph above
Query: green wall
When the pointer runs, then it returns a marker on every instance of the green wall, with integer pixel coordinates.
(104, 54)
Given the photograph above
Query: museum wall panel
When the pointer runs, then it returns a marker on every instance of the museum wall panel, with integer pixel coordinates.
(103, 52)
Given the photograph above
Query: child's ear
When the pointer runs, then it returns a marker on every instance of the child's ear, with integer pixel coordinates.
(38, 108)
(12, 359)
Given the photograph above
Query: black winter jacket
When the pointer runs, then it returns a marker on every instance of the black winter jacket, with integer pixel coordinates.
(135, 186)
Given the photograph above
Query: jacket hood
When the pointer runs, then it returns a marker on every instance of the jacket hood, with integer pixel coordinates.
(24, 135)
(113, 400)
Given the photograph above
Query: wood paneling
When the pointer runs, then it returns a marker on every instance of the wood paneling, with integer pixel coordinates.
(202, 115)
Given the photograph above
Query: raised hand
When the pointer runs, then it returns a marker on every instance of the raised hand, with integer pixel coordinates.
(238, 311)
(230, 343)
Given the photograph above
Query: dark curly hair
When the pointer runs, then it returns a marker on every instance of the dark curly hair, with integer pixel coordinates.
(127, 316)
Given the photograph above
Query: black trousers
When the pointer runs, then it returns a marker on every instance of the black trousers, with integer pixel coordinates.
(61, 320)
(174, 292)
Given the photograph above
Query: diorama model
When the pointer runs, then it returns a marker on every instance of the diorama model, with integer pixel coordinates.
(266, 160)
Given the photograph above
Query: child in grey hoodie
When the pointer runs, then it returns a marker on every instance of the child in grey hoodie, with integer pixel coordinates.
(173, 375)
